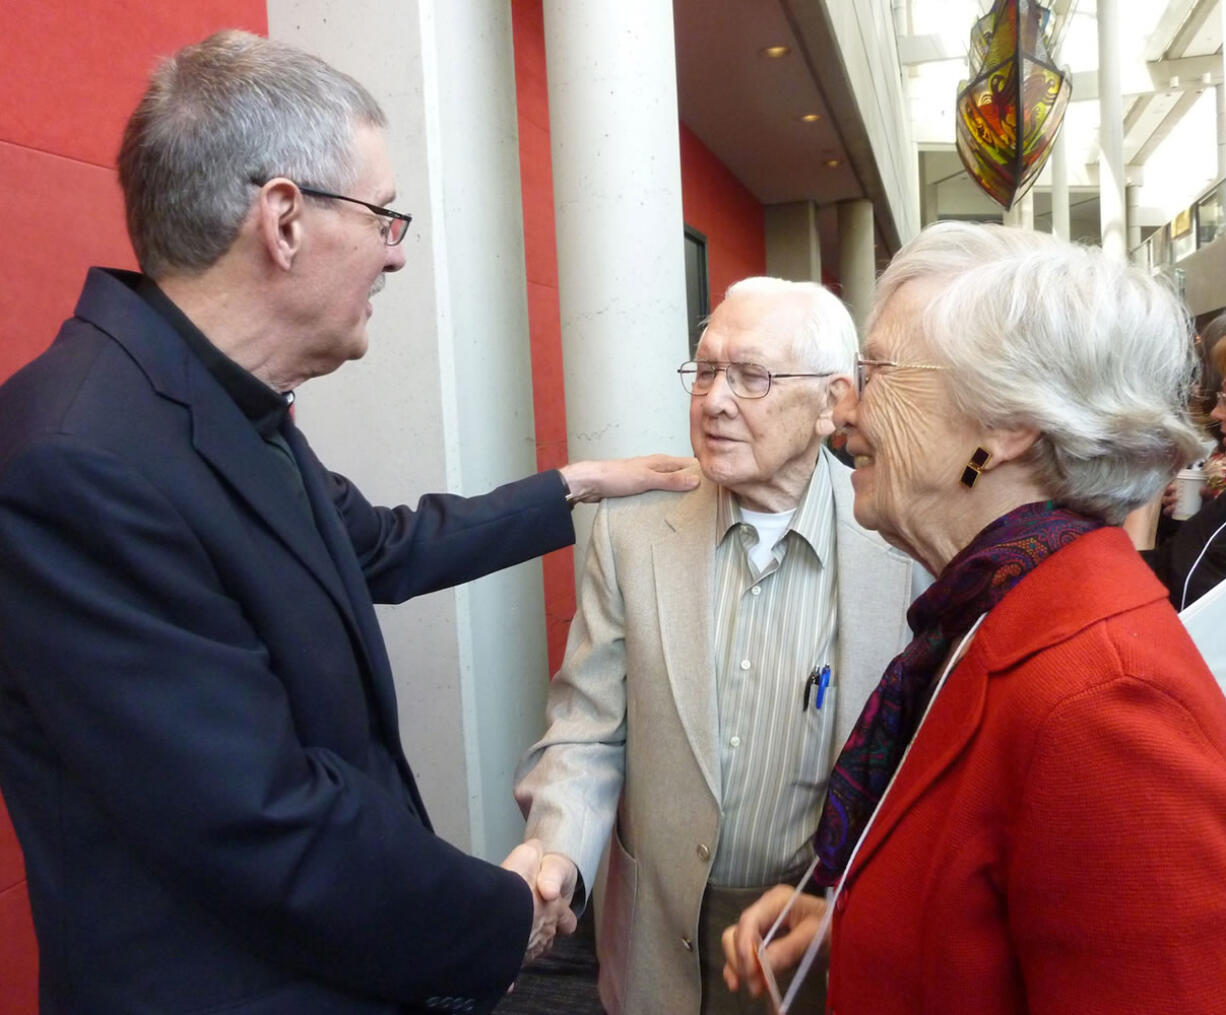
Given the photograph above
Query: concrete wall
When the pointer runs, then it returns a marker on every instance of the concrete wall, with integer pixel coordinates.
(443, 400)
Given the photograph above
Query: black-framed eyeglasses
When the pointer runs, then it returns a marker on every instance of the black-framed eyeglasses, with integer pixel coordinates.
(393, 225)
(747, 380)
(865, 367)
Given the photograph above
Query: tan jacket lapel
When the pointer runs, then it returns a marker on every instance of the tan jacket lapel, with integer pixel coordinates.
(684, 562)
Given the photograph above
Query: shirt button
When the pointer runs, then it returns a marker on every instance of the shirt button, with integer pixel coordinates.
(745, 664)
(756, 590)
(735, 741)
(704, 852)
(687, 944)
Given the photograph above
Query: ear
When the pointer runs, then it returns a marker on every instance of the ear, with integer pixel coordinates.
(1008, 444)
(837, 388)
(278, 214)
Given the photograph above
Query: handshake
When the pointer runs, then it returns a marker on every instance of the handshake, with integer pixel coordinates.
(552, 878)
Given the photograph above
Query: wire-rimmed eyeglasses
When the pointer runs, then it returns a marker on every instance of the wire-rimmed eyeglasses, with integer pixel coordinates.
(747, 380)
(393, 225)
(865, 367)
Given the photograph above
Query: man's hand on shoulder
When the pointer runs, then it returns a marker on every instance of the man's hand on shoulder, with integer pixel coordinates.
(622, 477)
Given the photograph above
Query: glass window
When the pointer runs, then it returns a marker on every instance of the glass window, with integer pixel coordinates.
(697, 288)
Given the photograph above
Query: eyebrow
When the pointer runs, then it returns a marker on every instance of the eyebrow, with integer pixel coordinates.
(753, 355)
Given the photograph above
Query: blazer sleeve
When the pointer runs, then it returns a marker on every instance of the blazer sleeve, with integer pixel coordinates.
(154, 691)
(448, 540)
(569, 782)
(1122, 836)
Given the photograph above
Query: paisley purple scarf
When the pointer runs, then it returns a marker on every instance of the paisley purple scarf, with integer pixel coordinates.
(973, 582)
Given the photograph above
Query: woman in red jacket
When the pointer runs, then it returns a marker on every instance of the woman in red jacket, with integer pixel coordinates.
(1030, 815)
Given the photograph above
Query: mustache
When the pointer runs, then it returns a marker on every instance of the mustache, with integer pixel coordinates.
(377, 288)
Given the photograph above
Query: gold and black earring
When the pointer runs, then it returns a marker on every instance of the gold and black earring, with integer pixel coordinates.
(974, 468)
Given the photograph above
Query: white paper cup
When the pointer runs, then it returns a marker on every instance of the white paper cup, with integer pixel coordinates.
(1188, 484)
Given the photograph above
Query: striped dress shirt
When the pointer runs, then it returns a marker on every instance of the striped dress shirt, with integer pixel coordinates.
(772, 629)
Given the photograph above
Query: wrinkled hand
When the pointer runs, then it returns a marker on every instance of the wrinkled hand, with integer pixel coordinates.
(621, 477)
(552, 878)
(787, 948)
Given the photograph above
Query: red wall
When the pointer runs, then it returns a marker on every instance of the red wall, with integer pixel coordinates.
(544, 320)
(717, 204)
(69, 73)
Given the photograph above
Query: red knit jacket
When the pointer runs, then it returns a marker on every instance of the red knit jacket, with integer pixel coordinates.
(1056, 839)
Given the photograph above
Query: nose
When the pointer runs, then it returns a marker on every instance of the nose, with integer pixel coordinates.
(394, 259)
(719, 399)
(846, 408)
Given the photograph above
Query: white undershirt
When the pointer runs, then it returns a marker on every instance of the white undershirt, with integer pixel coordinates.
(770, 529)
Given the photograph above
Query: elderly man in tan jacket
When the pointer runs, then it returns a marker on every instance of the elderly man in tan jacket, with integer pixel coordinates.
(724, 643)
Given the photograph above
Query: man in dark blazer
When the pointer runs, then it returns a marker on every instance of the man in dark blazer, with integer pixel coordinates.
(198, 733)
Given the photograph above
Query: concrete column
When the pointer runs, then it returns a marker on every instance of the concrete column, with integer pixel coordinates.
(1059, 187)
(793, 250)
(1021, 215)
(617, 202)
(930, 198)
(1131, 196)
(1111, 131)
(857, 257)
(1219, 92)
(443, 400)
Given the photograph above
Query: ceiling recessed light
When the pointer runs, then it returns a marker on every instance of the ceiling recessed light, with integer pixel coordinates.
(776, 52)
(809, 117)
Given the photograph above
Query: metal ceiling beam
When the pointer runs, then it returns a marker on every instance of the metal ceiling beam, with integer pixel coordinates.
(1174, 32)
(1192, 25)
(1168, 27)
(1186, 102)
(936, 47)
(1188, 73)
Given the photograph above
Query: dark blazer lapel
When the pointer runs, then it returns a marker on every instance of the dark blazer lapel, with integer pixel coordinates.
(220, 432)
(357, 594)
(228, 442)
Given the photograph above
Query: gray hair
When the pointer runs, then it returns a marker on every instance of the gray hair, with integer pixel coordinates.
(218, 115)
(1093, 353)
(826, 339)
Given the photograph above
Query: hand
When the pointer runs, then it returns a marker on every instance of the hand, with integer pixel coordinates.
(555, 885)
(552, 878)
(741, 966)
(1170, 497)
(621, 477)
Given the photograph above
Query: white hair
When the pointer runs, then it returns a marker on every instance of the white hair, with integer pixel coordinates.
(826, 339)
(1093, 353)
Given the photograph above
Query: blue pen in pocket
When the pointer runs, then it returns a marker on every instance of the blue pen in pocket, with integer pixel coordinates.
(821, 680)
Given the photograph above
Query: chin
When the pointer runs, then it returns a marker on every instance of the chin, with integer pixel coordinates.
(864, 517)
(358, 346)
(718, 472)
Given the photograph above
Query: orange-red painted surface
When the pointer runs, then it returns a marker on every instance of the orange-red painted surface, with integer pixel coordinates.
(70, 73)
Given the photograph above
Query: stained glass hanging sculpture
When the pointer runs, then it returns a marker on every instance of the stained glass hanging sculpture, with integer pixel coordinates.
(1012, 79)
